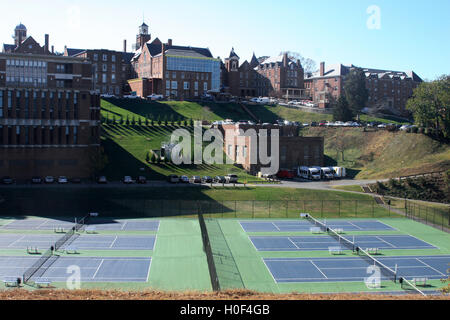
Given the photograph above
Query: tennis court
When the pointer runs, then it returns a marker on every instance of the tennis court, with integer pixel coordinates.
(81, 242)
(99, 223)
(305, 226)
(314, 243)
(354, 268)
(92, 269)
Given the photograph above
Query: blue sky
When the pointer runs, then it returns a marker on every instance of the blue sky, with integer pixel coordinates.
(414, 35)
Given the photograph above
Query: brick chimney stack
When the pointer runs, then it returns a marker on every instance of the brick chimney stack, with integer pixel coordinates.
(322, 69)
(125, 45)
(53, 49)
(46, 46)
(169, 42)
(285, 59)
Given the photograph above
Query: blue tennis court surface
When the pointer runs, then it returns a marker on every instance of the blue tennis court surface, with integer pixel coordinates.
(92, 269)
(354, 268)
(99, 223)
(314, 243)
(86, 242)
(305, 226)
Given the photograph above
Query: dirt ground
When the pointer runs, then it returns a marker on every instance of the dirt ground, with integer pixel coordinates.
(18, 294)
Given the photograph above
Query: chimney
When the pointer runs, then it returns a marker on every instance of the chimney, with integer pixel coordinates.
(163, 48)
(322, 69)
(53, 49)
(46, 47)
(20, 39)
(285, 59)
(169, 42)
(125, 45)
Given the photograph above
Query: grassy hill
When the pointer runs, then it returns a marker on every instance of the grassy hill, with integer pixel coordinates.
(383, 154)
(374, 154)
(183, 110)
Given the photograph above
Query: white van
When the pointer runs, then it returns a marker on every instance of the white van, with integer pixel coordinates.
(309, 173)
(327, 173)
(339, 172)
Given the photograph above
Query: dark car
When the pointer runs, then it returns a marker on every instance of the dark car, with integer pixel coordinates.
(184, 179)
(220, 179)
(196, 179)
(313, 124)
(173, 178)
(207, 179)
(76, 180)
(7, 180)
(102, 180)
(36, 180)
(141, 180)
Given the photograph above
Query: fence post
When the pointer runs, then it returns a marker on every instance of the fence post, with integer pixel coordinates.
(253, 209)
(321, 210)
(356, 208)
(269, 208)
(339, 208)
(426, 215)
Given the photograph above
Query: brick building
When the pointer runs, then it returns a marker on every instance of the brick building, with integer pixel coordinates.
(180, 72)
(388, 90)
(110, 69)
(49, 116)
(274, 76)
(294, 150)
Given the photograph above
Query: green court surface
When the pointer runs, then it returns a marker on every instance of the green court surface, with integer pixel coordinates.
(178, 261)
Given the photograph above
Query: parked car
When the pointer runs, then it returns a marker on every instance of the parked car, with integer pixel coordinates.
(102, 180)
(36, 180)
(196, 179)
(142, 180)
(63, 180)
(220, 179)
(285, 174)
(382, 126)
(127, 180)
(7, 180)
(76, 180)
(184, 179)
(207, 179)
(155, 97)
(49, 179)
(173, 178)
(231, 178)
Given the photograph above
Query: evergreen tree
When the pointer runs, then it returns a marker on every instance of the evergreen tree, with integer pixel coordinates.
(355, 90)
(342, 111)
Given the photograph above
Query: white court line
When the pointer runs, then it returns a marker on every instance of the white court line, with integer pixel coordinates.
(148, 272)
(114, 241)
(16, 241)
(93, 277)
(390, 244)
(293, 243)
(356, 226)
(268, 269)
(318, 269)
(45, 221)
(418, 259)
(123, 226)
(275, 226)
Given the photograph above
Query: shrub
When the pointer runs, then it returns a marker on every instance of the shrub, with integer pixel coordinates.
(414, 129)
(421, 130)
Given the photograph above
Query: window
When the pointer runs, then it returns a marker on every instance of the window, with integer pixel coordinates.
(113, 67)
(105, 67)
(1, 103)
(167, 84)
(205, 86)
(105, 57)
(174, 85)
(113, 58)
(113, 78)
(186, 85)
(104, 80)
(95, 57)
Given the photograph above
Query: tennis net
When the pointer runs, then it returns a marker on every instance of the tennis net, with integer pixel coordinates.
(81, 223)
(408, 285)
(347, 243)
(37, 265)
(316, 222)
(385, 270)
(69, 234)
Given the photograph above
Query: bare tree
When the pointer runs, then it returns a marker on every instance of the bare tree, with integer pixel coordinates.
(308, 64)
